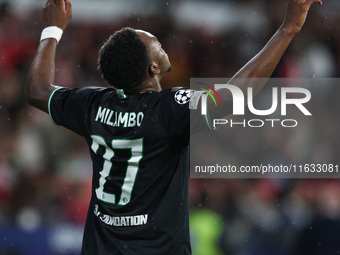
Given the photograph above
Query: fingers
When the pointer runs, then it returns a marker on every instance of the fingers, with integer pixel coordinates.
(48, 2)
(68, 5)
(59, 2)
(310, 2)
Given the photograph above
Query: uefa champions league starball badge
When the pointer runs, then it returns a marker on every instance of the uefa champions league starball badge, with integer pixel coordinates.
(182, 96)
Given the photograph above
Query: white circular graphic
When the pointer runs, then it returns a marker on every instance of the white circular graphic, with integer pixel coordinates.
(182, 96)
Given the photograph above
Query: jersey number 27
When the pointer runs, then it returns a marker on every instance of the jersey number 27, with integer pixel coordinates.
(136, 147)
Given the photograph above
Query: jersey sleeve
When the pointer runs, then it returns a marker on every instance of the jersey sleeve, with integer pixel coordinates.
(69, 107)
(174, 113)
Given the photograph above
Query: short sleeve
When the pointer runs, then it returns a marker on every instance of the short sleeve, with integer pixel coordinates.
(70, 107)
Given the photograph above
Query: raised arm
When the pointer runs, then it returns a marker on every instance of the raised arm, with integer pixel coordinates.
(264, 63)
(57, 13)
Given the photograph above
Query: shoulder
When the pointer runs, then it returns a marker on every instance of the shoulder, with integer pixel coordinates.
(84, 93)
(84, 90)
(179, 95)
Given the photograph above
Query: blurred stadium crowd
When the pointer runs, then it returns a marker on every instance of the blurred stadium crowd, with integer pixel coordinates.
(45, 171)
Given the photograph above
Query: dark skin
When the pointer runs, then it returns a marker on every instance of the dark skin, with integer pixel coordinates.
(58, 13)
(41, 75)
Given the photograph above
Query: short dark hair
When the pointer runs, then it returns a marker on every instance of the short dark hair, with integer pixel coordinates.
(123, 59)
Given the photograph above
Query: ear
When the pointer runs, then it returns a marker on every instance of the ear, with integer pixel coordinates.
(153, 69)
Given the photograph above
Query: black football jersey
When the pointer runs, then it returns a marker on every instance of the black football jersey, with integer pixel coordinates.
(139, 147)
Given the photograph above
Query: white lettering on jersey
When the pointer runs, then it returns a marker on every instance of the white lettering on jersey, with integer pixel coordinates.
(121, 221)
(119, 119)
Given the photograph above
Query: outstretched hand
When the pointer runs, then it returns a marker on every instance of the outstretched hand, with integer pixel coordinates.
(297, 11)
(57, 13)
